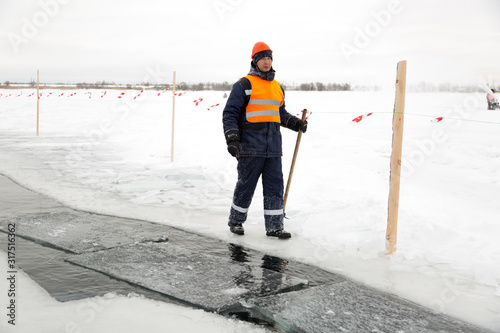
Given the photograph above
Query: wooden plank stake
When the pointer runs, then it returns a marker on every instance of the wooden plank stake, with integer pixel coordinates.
(397, 148)
(37, 102)
(299, 136)
(173, 121)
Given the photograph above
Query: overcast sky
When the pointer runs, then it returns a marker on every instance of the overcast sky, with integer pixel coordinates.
(355, 41)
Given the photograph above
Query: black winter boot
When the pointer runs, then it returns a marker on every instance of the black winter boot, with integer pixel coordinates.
(236, 228)
(281, 234)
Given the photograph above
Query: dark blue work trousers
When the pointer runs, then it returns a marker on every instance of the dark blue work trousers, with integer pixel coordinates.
(249, 171)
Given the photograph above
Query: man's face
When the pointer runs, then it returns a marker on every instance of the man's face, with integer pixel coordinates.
(265, 64)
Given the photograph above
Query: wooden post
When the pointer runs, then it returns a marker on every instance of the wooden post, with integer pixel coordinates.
(397, 148)
(173, 121)
(37, 102)
(299, 136)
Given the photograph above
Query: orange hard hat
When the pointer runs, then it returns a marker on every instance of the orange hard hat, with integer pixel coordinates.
(259, 47)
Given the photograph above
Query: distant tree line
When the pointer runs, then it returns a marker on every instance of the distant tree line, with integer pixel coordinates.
(218, 86)
(444, 87)
(226, 86)
(319, 86)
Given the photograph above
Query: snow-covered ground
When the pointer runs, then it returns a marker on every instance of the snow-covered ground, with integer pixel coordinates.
(113, 155)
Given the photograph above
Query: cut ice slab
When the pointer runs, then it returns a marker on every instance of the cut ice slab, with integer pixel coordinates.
(80, 232)
(349, 307)
(206, 281)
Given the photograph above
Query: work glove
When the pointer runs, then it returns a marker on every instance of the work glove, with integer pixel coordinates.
(297, 124)
(233, 142)
(233, 147)
(301, 125)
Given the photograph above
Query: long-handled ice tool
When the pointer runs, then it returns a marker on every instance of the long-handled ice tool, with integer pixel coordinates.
(297, 144)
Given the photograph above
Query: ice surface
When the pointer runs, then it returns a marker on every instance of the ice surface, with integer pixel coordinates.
(110, 313)
(80, 232)
(447, 233)
(203, 280)
(242, 299)
(350, 307)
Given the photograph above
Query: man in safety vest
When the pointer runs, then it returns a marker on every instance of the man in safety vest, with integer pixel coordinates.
(252, 117)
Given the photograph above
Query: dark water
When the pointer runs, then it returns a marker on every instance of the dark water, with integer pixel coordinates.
(65, 281)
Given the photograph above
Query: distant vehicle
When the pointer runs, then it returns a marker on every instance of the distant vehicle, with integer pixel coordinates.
(492, 101)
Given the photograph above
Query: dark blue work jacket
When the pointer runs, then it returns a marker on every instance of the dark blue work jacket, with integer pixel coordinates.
(256, 139)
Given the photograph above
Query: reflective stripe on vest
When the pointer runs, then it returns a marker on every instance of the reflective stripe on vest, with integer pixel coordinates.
(265, 100)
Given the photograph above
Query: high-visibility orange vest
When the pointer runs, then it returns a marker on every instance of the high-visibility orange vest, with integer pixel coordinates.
(490, 97)
(265, 100)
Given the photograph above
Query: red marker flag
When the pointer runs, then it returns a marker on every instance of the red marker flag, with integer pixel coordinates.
(358, 119)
